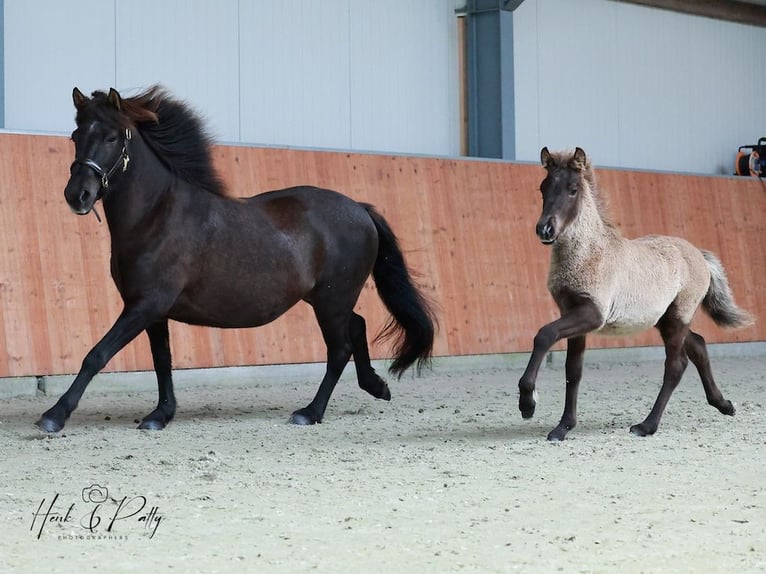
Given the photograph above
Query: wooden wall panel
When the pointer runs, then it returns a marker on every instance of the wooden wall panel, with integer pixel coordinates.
(466, 226)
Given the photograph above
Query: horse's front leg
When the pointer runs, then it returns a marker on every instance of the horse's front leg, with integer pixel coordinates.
(573, 370)
(576, 321)
(128, 325)
(159, 340)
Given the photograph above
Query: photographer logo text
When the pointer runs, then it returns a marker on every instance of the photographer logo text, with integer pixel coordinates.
(99, 516)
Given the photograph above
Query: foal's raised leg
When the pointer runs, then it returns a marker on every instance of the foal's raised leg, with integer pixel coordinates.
(674, 333)
(573, 369)
(697, 353)
(366, 376)
(166, 404)
(335, 330)
(576, 321)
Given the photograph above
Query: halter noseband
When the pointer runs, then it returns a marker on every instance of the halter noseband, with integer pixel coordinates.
(122, 159)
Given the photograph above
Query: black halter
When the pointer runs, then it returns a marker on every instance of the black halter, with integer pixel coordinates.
(122, 159)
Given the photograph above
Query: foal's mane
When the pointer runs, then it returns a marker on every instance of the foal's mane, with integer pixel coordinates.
(564, 160)
(175, 133)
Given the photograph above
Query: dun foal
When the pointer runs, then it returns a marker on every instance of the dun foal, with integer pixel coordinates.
(603, 282)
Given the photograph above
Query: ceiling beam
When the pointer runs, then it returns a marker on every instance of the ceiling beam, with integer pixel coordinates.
(729, 10)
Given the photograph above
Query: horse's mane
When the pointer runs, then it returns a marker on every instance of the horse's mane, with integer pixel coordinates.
(563, 159)
(175, 133)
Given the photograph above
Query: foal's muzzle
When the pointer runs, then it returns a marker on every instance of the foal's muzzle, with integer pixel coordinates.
(546, 230)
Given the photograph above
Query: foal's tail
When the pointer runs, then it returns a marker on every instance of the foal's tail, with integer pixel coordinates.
(719, 300)
(412, 317)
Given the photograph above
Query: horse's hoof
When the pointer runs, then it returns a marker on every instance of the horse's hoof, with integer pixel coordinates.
(302, 419)
(48, 425)
(557, 435)
(377, 388)
(641, 430)
(151, 425)
(528, 413)
(727, 408)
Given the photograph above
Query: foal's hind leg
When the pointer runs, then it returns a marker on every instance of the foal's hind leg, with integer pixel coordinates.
(673, 332)
(335, 330)
(366, 376)
(573, 369)
(697, 353)
(166, 405)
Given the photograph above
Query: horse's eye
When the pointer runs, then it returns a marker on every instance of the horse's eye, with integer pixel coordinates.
(573, 191)
(111, 138)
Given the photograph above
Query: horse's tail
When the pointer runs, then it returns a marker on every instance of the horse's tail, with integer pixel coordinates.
(412, 323)
(719, 300)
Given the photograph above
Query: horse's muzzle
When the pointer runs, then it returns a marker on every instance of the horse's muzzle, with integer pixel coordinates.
(546, 231)
(81, 194)
(80, 198)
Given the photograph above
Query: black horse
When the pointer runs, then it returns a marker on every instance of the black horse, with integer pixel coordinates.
(183, 250)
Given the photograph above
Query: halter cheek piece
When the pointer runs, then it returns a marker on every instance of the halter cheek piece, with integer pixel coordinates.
(122, 159)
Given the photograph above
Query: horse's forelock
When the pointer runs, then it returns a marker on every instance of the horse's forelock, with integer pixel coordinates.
(563, 160)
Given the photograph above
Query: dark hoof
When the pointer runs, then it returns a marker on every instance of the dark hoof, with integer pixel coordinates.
(642, 429)
(527, 404)
(151, 425)
(377, 387)
(303, 418)
(49, 425)
(726, 408)
(527, 413)
(558, 434)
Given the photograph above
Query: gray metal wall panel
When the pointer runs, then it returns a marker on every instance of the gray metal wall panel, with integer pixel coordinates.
(357, 74)
(295, 73)
(636, 87)
(45, 58)
(190, 47)
(401, 70)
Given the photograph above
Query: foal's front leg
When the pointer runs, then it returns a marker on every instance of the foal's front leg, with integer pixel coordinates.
(128, 325)
(576, 321)
(573, 369)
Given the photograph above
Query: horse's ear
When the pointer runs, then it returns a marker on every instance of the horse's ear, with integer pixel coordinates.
(115, 99)
(545, 157)
(579, 159)
(78, 98)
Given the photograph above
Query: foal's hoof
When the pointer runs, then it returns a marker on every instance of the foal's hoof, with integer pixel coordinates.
(303, 417)
(49, 425)
(642, 429)
(727, 408)
(527, 404)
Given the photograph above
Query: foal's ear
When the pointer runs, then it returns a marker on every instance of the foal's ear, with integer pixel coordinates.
(115, 99)
(78, 98)
(545, 157)
(579, 160)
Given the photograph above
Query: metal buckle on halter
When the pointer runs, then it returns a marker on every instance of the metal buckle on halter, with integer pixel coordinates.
(124, 158)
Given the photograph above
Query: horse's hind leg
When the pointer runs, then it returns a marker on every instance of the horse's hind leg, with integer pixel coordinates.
(366, 376)
(697, 353)
(673, 332)
(166, 405)
(573, 369)
(335, 330)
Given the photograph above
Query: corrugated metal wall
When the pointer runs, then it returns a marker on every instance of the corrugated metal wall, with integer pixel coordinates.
(352, 74)
(636, 86)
